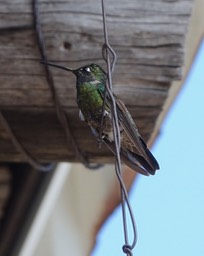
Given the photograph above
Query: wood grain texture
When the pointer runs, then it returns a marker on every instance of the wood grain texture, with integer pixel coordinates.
(148, 37)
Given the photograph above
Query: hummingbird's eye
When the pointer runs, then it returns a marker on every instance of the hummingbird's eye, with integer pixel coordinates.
(88, 69)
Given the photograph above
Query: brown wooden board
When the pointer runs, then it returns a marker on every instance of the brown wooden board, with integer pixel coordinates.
(148, 37)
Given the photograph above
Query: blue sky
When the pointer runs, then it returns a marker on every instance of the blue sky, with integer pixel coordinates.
(169, 207)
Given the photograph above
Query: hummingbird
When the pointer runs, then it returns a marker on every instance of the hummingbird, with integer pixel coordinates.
(90, 85)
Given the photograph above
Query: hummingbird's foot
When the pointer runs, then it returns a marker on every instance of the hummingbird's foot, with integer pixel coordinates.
(106, 113)
(96, 134)
(100, 140)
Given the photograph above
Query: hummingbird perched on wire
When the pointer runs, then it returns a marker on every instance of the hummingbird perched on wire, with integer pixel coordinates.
(90, 84)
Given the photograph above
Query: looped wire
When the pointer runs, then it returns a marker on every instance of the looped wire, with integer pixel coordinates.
(107, 47)
(60, 113)
(107, 52)
(19, 146)
(127, 249)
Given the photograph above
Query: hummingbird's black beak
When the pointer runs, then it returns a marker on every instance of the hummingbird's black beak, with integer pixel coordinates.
(58, 66)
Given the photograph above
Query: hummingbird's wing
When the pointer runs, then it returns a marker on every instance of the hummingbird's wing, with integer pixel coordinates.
(134, 151)
(137, 149)
(127, 159)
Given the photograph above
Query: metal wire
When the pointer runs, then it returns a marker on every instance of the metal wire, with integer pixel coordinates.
(60, 113)
(19, 146)
(107, 53)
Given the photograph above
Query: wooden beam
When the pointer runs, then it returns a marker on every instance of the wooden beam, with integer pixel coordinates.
(148, 37)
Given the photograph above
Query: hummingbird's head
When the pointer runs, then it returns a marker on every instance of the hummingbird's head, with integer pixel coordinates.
(88, 73)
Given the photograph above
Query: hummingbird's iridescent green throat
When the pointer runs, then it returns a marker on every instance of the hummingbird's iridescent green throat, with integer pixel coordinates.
(90, 86)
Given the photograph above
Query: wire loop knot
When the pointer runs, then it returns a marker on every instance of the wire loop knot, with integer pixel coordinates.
(127, 249)
(110, 57)
(106, 48)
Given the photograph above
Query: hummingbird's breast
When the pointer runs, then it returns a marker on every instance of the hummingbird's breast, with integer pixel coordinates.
(90, 102)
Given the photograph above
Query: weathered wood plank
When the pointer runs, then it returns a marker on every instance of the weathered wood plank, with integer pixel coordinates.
(44, 137)
(42, 98)
(151, 26)
(148, 37)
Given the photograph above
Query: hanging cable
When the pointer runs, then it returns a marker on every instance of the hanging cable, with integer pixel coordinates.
(60, 113)
(109, 53)
(21, 149)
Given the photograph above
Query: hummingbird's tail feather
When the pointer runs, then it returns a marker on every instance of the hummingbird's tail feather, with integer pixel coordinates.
(138, 149)
(134, 161)
(141, 161)
(152, 159)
